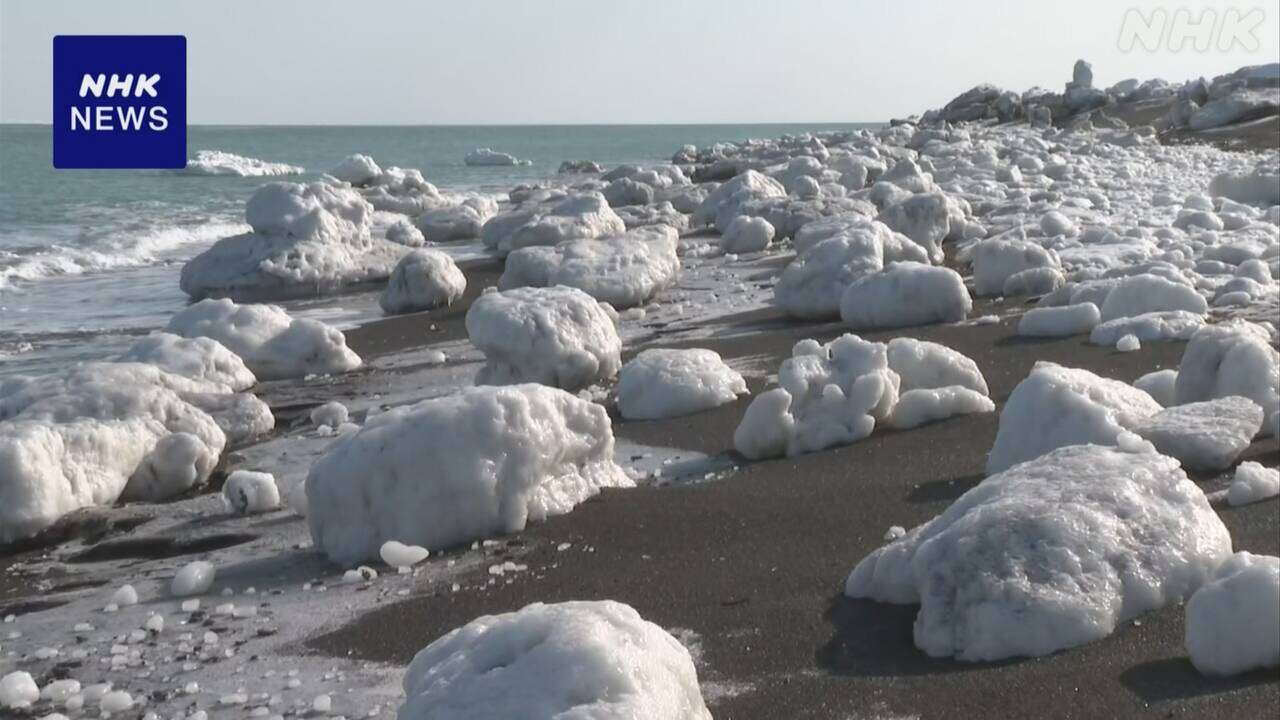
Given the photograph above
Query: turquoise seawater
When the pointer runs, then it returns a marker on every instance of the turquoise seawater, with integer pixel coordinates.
(89, 258)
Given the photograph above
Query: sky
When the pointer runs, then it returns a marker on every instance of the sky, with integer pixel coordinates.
(399, 62)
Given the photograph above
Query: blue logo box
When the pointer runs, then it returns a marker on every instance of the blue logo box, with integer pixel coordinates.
(119, 101)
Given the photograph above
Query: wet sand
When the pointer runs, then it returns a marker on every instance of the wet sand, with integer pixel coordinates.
(755, 563)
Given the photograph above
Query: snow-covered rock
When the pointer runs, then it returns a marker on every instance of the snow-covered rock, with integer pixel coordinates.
(1232, 623)
(1231, 358)
(199, 358)
(747, 235)
(272, 344)
(581, 660)
(1056, 406)
(557, 336)
(1050, 554)
(1059, 321)
(663, 383)
(422, 280)
(830, 395)
(905, 294)
(470, 465)
(247, 492)
(625, 270)
(306, 240)
(1253, 482)
(219, 162)
(1207, 435)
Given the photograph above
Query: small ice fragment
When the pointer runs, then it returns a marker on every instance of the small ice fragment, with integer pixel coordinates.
(115, 701)
(434, 357)
(191, 605)
(155, 623)
(193, 579)
(322, 704)
(18, 690)
(1128, 343)
(125, 596)
(397, 554)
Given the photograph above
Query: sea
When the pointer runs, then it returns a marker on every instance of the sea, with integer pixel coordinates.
(89, 259)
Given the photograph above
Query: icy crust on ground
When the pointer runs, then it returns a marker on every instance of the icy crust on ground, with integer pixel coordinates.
(625, 270)
(556, 336)
(580, 660)
(663, 383)
(1207, 435)
(835, 394)
(100, 432)
(306, 240)
(445, 471)
(1056, 406)
(578, 217)
(200, 358)
(1232, 622)
(271, 343)
(1050, 554)
(218, 162)
(422, 280)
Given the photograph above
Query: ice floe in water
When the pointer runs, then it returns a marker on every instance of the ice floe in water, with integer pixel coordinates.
(1050, 554)
(218, 162)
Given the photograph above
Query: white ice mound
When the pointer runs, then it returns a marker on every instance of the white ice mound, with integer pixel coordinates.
(905, 294)
(1232, 622)
(1056, 406)
(1050, 554)
(998, 259)
(624, 270)
(422, 280)
(247, 492)
(925, 405)
(306, 240)
(1230, 358)
(830, 395)
(1207, 435)
(356, 169)
(833, 253)
(573, 660)
(1159, 385)
(453, 469)
(556, 336)
(1148, 327)
(456, 222)
(484, 157)
(272, 344)
(102, 431)
(926, 365)
(924, 217)
(578, 217)
(218, 162)
(1060, 321)
(747, 235)
(666, 383)
(1253, 482)
(725, 202)
(18, 690)
(1145, 293)
(202, 358)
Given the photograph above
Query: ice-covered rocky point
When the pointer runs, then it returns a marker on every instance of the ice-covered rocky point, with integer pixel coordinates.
(478, 463)
(585, 660)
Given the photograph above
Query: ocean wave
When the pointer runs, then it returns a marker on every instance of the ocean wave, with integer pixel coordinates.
(122, 250)
(218, 162)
